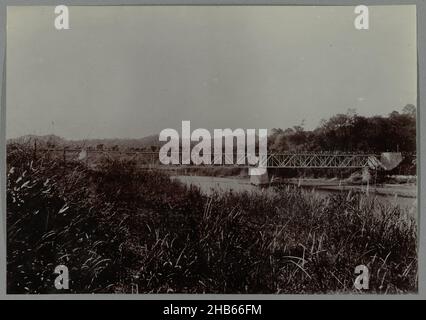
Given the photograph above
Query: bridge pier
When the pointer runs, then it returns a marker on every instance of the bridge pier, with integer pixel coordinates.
(258, 176)
(366, 175)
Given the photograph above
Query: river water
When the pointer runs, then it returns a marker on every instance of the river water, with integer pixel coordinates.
(237, 184)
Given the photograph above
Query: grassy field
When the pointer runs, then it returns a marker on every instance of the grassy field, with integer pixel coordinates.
(117, 228)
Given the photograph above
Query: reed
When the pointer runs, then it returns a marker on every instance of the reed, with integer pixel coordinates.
(118, 228)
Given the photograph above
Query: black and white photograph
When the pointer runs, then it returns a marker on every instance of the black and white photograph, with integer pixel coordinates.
(211, 149)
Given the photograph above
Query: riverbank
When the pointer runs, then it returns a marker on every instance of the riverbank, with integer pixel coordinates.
(143, 231)
(401, 195)
(406, 190)
(242, 183)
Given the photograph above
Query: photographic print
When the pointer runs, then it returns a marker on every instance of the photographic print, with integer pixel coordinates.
(211, 149)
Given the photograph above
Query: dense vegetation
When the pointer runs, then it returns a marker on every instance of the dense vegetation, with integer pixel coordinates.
(351, 132)
(348, 132)
(117, 229)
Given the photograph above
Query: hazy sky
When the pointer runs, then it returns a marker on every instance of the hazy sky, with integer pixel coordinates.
(133, 71)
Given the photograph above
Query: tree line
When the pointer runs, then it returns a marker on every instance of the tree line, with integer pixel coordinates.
(351, 132)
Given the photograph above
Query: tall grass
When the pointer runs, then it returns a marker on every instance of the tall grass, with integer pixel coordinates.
(122, 230)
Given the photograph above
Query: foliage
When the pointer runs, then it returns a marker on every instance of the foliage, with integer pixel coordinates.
(118, 229)
(352, 132)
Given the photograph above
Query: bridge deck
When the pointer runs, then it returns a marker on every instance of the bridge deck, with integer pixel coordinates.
(319, 160)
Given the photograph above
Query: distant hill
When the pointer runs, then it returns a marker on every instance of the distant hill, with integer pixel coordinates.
(53, 141)
(148, 143)
(45, 140)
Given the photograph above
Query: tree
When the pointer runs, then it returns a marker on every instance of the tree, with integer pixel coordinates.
(410, 110)
(352, 132)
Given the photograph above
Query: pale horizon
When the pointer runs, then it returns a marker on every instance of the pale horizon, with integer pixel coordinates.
(127, 72)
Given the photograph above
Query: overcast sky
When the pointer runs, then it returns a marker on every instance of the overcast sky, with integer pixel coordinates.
(133, 71)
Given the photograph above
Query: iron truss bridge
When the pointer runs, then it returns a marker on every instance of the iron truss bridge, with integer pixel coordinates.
(296, 160)
(323, 161)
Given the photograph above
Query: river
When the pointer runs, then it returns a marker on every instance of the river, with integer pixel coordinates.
(240, 184)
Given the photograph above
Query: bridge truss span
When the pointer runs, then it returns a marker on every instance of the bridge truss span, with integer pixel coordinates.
(323, 161)
(295, 160)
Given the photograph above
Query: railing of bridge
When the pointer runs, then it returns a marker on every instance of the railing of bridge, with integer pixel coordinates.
(301, 159)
